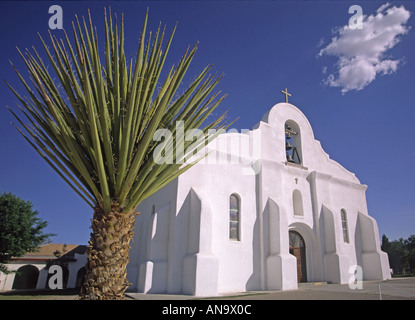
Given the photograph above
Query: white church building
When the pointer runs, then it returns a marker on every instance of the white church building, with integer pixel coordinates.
(282, 213)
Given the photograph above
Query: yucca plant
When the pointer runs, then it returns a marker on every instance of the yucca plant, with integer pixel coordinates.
(94, 122)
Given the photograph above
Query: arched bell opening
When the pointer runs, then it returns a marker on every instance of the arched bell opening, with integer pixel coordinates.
(293, 142)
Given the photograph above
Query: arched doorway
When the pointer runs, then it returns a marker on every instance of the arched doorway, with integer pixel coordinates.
(26, 277)
(298, 250)
(80, 277)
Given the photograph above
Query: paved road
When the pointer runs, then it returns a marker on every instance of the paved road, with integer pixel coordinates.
(403, 289)
(395, 289)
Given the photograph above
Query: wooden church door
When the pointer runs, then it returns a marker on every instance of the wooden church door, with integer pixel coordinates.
(297, 249)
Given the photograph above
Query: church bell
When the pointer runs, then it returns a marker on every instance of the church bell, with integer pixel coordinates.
(288, 145)
(289, 158)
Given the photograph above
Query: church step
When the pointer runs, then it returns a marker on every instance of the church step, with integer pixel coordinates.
(311, 284)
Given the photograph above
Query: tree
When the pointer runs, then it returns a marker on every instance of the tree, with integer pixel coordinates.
(98, 126)
(21, 230)
(401, 253)
(395, 251)
(410, 252)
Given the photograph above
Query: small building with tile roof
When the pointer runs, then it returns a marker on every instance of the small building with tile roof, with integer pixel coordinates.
(31, 271)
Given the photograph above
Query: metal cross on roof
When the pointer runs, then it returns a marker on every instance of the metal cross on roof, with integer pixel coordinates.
(286, 94)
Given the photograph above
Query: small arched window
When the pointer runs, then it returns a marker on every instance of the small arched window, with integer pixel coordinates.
(345, 226)
(234, 217)
(298, 203)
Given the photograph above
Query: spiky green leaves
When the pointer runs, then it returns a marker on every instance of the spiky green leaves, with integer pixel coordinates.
(93, 120)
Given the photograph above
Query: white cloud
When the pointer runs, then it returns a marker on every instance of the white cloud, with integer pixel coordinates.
(361, 52)
(383, 7)
(320, 43)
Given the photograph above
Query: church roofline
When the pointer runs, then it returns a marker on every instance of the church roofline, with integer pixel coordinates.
(266, 116)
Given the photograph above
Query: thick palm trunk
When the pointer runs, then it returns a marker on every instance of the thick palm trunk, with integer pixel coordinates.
(108, 255)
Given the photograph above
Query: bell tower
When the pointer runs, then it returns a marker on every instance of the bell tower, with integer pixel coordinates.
(293, 142)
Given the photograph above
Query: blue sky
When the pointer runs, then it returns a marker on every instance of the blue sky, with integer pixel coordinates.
(357, 94)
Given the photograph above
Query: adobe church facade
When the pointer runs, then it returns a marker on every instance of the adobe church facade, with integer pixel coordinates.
(276, 217)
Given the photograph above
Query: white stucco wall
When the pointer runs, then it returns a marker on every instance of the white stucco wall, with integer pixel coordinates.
(7, 280)
(184, 247)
